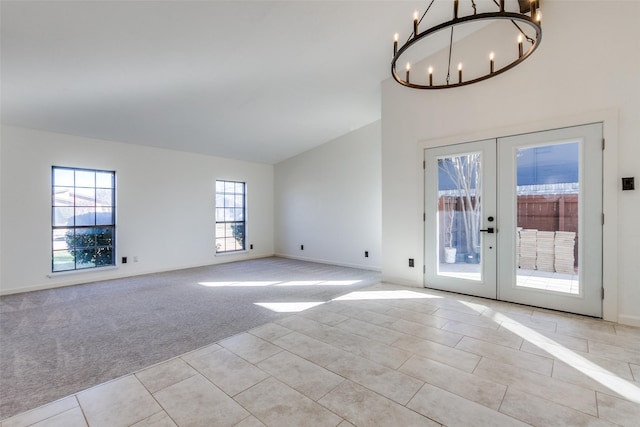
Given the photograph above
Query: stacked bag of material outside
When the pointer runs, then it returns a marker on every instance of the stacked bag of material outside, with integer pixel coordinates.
(545, 241)
(564, 243)
(528, 249)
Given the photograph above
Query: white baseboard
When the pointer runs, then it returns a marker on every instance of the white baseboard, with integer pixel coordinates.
(119, 272)
(330, 262)
(400, 281)
(626, 319)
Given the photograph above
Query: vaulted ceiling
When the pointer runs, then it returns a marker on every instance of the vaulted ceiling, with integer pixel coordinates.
(253, 80)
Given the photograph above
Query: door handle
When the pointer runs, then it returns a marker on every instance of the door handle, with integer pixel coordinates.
(489, 230)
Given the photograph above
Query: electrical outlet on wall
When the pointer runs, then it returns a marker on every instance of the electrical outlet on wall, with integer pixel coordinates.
(411, 263)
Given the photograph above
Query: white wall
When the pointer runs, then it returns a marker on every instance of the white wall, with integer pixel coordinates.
(329, 199)
(165, 206)
(586, 69)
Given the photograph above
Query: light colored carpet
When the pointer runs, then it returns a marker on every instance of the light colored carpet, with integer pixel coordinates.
(57, 342)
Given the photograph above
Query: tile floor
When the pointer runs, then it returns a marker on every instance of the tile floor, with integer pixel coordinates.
(383, 356)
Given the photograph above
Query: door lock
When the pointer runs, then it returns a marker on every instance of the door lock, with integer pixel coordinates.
(489, 230)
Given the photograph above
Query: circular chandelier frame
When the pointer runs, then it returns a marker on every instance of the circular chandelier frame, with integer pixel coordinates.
(532, 21)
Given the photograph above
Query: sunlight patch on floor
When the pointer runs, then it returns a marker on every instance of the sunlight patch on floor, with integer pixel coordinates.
(280, 283)
(319, 283)
(288, 307)
(594, 371)
(235, 284)
(341, 282)
(379, 295)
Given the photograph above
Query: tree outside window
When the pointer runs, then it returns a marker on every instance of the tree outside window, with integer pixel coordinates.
(463, 204)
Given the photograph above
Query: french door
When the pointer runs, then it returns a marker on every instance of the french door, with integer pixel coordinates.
(460, 183)
(518, 219)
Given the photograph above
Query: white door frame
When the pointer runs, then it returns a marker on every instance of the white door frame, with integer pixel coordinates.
(609, 119)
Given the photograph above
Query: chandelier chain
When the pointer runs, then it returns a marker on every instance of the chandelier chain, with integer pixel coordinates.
(525, 35)
(529, 39)
(450, 49)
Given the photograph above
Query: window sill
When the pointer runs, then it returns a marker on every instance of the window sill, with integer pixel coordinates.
(231, 253)
(81, 271)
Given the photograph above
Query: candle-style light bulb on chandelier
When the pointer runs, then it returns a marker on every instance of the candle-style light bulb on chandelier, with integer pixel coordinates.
(525, 23)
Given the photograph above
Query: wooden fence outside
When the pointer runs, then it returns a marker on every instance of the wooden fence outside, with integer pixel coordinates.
(544, 212)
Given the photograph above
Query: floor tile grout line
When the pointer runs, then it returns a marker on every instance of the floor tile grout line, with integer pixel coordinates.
(393, 402)
(326, 394)
(217, 386)
(78, 406)
(422, 415)
(197, 372)
(303, 358)
(249, 388)
(477, 364)
(381, 327)
(597, 404)
(408, 334)
(504, 395)
(414, 394)
(336, 386)
(517, 387)
(84, 415)
(566, 406)
(508, 415)
(511, 385)
(487, 341)
(304, 395)
(321, 367)
(156, 400)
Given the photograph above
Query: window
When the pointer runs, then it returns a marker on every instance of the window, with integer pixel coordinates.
(230, 216)
(82, 218)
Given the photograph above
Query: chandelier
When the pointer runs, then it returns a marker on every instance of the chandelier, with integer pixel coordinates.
(513, 25)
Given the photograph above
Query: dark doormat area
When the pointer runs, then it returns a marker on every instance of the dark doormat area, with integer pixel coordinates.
(57, 342)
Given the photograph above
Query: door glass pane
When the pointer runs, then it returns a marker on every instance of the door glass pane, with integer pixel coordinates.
(547, 217)
(460, 216)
